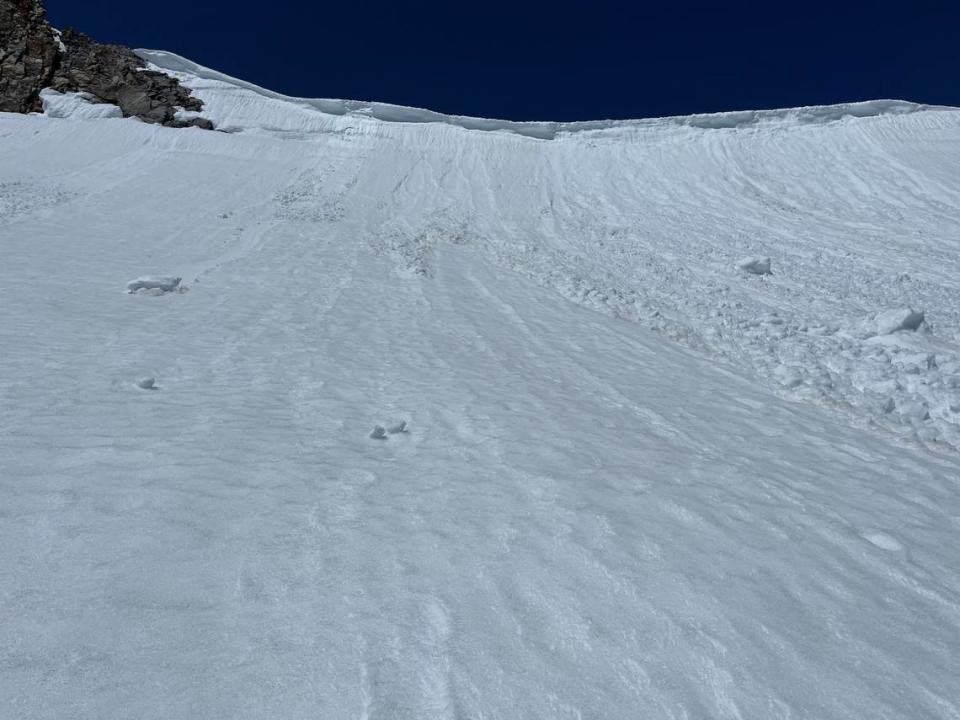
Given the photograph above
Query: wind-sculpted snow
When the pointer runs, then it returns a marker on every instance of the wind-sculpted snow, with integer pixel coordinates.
(608, 508)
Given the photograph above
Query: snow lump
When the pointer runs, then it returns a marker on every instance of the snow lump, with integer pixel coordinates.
(755, 265)
(891, 321)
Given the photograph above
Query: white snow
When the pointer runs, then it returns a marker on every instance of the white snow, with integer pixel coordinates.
(76, 106)
(58, 37)
(639, 483)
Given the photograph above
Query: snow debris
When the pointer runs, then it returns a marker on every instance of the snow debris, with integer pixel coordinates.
(160, 284)
(755, 265)
(788, 377)
(622, 505)
(914, 411)
(891, 321)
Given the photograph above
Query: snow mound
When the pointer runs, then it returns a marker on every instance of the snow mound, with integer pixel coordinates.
(159, 283)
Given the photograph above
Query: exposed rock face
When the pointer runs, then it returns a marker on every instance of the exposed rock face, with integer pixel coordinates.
(115, 75)
(32, 58)
(28, 55)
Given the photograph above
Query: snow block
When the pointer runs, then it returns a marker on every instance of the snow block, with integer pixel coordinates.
(149, 282)
(755, 266)
(891, 321)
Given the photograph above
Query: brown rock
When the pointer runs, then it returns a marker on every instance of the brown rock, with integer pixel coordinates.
(31, 59)
(28, 55)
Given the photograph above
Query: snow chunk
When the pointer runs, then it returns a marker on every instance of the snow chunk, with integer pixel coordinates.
(147, 383)
(891, 321)
(756, 265)
(378, 433)
(150, 282)
(883, 541)
(788, 377)
(400, 427)
(914, 411)
(76, 106)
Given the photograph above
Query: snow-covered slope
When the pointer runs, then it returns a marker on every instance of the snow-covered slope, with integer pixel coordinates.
(857, 205)
(660, 500)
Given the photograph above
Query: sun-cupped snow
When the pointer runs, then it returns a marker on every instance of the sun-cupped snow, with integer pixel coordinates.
(375, 465)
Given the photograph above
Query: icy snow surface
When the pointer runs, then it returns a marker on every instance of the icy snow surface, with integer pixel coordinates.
(691, 492)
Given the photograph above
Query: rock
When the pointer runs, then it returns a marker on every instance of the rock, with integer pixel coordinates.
(378, 433)
(755, 265)
(199, 122)
(116, 75)
(29, 54)
(891, 321)
(147, 383)
(33, 57)
(400, 427)
(150, 282)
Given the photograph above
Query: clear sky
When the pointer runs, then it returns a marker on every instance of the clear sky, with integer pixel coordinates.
(556, 60)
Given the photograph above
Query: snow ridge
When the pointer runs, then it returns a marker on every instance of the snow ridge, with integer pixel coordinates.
(182, 67)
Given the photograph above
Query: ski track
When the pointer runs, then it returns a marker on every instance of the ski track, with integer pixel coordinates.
(586, 519)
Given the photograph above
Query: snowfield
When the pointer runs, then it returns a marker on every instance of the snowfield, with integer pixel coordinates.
(474, 419)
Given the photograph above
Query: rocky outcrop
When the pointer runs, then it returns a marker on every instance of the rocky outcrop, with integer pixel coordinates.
(116, 75)
(29, 55)
(33, 57)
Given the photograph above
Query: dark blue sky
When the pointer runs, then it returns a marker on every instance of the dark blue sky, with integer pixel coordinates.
(555, 61)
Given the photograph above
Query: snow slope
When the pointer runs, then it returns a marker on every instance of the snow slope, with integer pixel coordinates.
(614, 507)
(857, 205)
